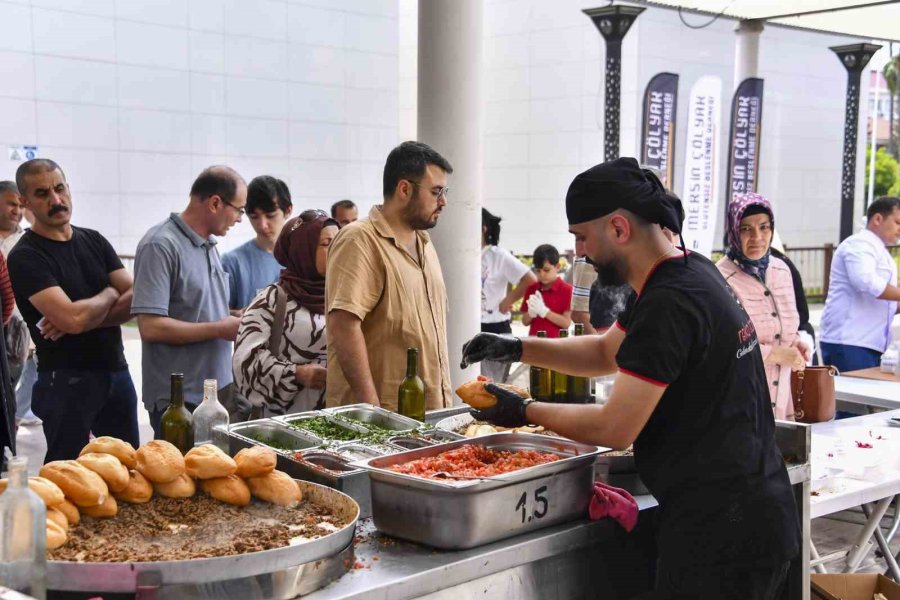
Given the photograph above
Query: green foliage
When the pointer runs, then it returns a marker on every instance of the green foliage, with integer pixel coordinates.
(887, 173)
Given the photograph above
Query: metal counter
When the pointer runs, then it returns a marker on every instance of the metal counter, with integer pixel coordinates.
(573, 560)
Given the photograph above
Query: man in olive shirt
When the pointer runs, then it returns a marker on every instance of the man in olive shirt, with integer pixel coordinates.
(385, 290)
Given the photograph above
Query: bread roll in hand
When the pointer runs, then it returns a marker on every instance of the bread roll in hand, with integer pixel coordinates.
(474, 394)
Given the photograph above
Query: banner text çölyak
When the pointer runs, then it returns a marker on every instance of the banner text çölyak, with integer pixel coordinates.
(701, 165)
(658, 131)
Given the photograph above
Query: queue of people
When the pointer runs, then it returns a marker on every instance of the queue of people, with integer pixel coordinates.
(323, 306)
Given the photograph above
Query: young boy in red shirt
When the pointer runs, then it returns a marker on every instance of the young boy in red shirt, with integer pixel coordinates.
(548, 302)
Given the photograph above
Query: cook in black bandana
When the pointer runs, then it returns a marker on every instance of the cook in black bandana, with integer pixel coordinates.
(690, 393)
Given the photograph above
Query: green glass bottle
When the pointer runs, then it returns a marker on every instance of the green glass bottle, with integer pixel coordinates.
(540, 380)
(560, 380)
(579, 387)
(411, 395)
(176, 424)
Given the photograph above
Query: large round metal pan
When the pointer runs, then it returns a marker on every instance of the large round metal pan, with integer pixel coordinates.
(124, 576)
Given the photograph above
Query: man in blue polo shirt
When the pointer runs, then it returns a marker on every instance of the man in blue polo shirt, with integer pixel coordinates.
(251, 265)
(181, 294)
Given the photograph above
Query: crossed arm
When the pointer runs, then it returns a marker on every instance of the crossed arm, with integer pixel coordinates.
(63, 316)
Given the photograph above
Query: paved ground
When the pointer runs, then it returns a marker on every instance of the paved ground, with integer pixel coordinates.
(829, 534)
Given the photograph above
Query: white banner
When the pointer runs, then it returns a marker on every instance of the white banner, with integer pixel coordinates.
(701, 165)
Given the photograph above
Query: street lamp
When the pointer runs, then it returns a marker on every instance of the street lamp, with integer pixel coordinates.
(854, 57)
(613, 22)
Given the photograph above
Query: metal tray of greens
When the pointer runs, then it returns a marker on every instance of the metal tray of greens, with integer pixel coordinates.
(324, 426)
(266, 432)
(375, 418)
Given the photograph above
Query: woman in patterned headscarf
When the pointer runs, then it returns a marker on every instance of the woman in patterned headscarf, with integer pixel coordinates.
(286, 373)
(764, 286)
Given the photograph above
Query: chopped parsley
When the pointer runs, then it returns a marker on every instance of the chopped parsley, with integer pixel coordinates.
(325, 429)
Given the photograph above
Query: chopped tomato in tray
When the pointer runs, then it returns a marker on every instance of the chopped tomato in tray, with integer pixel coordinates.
(474, 461)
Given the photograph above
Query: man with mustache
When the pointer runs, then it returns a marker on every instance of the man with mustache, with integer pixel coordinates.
(181, 295)
(73, 293)
(385, 290)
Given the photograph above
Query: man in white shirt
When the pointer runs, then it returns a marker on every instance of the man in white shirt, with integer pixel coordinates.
(863, 294)
(499, 270)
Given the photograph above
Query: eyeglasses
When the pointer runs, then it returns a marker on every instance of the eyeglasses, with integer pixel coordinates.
(441, 193)
(240, 209)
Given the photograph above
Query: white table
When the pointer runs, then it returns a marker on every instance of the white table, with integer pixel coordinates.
(867, 392)
(873, 496)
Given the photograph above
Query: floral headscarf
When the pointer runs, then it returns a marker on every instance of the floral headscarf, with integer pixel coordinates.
(736, 211)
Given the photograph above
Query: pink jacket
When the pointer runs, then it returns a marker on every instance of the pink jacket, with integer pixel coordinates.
(773, 309)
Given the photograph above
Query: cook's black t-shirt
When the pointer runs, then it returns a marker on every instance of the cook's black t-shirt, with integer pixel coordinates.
(708, 451)
(81, 267)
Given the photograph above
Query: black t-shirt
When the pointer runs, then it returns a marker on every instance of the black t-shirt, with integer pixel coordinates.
(708, 451)
(81, 267)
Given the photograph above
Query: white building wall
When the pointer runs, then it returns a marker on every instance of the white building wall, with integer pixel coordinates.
(134, 97)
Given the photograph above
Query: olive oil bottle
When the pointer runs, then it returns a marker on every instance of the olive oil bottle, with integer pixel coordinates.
(579, 387)
(560, 380)
(411, 395)
(540, 380)
(176, 423)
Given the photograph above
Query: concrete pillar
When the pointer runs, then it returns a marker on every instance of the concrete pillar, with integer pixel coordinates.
(450, 106)
(746, 50)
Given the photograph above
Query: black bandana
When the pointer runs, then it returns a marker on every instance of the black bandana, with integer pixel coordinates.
(621, 183)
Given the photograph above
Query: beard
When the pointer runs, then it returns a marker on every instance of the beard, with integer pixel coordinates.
(611, 273)
(415, 217)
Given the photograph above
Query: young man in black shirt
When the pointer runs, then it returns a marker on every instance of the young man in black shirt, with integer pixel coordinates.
(690, 393)
(73, 293)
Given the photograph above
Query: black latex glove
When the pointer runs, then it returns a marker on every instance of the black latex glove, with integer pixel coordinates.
(509, 410)
(490, 346)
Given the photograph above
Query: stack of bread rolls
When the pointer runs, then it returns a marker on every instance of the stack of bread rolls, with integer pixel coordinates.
(109, 470)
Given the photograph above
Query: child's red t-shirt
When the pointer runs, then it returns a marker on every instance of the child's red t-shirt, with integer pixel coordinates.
(558, 299)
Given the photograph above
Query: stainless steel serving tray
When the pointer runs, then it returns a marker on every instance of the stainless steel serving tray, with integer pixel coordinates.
(237, 574)
(375, 415)
(265, 432)
(288, 420)
(456, 514)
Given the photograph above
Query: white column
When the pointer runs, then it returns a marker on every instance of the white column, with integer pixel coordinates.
(450, 109)
(746, 50)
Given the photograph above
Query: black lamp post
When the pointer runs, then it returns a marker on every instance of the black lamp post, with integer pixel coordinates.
(854, 57)
(613, 22)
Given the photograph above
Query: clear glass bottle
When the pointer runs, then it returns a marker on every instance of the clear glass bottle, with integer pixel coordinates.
(176, 423)
(209, 415)
(411, 395)
(23, 534)
(560, 380)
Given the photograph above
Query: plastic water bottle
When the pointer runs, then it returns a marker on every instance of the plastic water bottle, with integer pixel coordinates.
(23, 534)
(209, 415)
